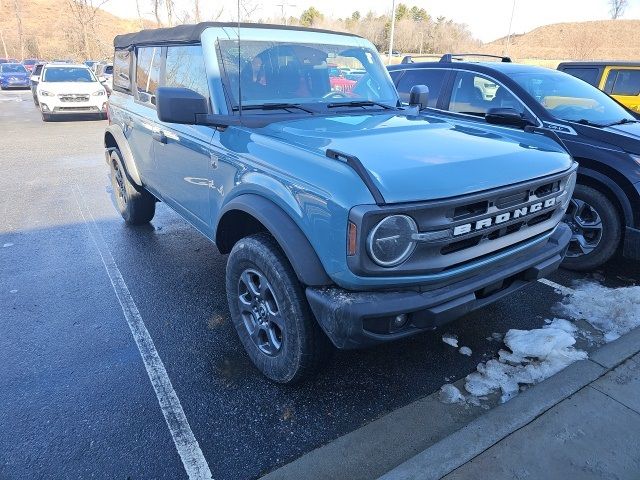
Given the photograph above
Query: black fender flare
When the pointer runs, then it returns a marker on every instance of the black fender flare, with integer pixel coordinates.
(620, 195)
(292, 240)
(114, 138)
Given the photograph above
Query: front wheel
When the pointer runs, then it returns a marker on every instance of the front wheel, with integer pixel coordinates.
(596, 227)
(136, 205)
(270, 311)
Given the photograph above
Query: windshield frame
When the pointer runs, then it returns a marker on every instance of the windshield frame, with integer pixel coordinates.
(308, 40)
(521, 78)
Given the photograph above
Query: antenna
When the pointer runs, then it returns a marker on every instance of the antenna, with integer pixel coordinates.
(239, 67)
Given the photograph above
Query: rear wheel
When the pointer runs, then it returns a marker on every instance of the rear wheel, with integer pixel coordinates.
(596, 227)
(137, 206)
(270, 311)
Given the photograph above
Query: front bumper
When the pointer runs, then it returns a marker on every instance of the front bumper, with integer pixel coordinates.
(53, 105)
(359, 319)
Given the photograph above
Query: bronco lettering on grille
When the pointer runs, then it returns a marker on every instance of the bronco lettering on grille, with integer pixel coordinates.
(504, 217)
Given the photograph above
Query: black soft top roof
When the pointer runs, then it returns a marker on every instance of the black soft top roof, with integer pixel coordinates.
(191, 33)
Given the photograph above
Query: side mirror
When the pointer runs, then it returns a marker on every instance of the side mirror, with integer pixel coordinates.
(419, 96)
(180, 105)
(506, 116)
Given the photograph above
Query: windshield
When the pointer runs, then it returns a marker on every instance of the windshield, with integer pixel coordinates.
(68, 74)
(569, 98)
(12, 68)
(297, 73)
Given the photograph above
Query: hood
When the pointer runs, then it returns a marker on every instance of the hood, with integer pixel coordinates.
(625, 136)
(422, 158)
(70, 87)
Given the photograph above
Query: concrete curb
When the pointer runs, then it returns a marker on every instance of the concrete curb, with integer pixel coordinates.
(428, 439)
(470, 441)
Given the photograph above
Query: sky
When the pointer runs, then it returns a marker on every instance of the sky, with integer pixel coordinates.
(487, 19)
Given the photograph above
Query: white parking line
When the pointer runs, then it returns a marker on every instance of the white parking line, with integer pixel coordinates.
(564, 290)
(188, 448)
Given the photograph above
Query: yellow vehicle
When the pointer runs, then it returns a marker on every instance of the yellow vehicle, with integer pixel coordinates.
(621, 80)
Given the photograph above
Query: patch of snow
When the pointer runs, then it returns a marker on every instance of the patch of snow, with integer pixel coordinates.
(7, 245)
(450, 339)
(497, 336)
(13, 291)
(465, 351)
(450, 394)
(534, 356)
(613, 311)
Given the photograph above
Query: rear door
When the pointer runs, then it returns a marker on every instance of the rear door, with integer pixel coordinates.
(183, 152)
(623, 84)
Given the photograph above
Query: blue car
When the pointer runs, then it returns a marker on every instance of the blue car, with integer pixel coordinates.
(349, 220)
(14, 75)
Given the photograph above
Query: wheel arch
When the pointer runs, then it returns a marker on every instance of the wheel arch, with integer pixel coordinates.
(250, 213)
(610, 189)
(114, 138)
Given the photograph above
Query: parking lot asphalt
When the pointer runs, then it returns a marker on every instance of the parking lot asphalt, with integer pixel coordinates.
(75, 398)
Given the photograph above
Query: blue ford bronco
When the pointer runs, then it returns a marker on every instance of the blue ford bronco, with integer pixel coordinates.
(349, 219)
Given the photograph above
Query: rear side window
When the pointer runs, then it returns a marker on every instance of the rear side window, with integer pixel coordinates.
(148, 64)
(589, 75)
(121, 69)
(623, 82)
(185, 68)
(432, 78)
(37, 70)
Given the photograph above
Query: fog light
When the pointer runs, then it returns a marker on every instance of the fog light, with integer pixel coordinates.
(44, 107)
(399, 321)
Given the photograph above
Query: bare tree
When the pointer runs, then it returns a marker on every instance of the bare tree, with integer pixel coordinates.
(617, 8)
(84, 14)
(196, 11)
(4, 45)
(247, 9)
(17, 7)
(156, 11)
(139, 14)
(170, 11)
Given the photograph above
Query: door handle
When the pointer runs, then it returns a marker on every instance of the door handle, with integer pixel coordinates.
(159, 136)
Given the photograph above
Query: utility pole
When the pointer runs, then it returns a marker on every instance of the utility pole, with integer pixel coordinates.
(505, 50)
(283, 6)
(393, 26)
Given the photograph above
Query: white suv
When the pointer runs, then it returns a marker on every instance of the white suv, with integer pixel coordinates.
(70, 89)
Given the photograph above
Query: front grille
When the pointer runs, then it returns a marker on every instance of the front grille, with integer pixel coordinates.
(460, 230)
(74, 98)
(76, 109)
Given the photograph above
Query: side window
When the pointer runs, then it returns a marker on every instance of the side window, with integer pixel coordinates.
(185, 68)
(432, 78)
(589, 75)
(121, 69)
(475, 94)
(148, 73)
(627, 82)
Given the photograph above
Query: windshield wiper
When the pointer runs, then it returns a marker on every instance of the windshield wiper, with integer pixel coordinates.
(584, 121)
(359, 103)
(621, 122)
(276, 106)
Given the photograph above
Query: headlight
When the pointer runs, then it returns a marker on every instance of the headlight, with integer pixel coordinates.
(44, 93)
(567, 189)
(391, 241)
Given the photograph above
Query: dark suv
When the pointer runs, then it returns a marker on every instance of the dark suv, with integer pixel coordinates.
(600, 133)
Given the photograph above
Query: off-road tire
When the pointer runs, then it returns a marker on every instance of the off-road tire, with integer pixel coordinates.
(304, 347)
(611, 230)
(136, 205)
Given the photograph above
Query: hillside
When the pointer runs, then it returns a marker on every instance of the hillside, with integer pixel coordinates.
(605, 39)
(52, 29)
